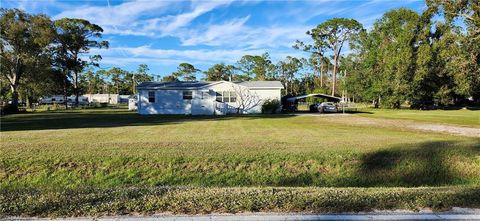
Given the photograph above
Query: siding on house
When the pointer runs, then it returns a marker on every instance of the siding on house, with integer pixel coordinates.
(169, 97)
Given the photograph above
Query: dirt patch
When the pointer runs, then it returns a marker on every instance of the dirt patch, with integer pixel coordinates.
(464, 131)
(406, 124)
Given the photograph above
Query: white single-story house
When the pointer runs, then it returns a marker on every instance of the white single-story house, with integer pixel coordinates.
(206, 97)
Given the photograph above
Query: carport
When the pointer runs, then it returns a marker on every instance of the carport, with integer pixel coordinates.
(290, 103)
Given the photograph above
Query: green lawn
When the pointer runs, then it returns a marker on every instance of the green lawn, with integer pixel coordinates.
(469, 118)
(95, 151)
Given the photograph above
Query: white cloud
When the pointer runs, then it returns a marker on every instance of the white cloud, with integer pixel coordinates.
(217, 34)
(147, 54)
(118, 15)
(236, 34)
(221, 40)
(142, 18)
(198, 8)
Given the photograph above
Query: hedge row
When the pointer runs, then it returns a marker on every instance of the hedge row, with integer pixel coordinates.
(150, 200)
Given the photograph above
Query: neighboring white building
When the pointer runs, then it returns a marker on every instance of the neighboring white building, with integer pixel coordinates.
(132, 103)
(103, 98)
(59, 99)
(206, 98)
(86, 99)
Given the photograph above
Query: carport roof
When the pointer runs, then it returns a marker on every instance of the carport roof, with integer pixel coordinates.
(291, 99)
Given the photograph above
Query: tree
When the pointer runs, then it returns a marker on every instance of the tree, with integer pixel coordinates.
(117, 76)
(468, 10)
(186, 71)
(317, 60)
(246, 66)
(169, 78)
(332, 35)
(92, 82)
(140, 76)
(396, 33)
(314, 82)
(286, 70)
(24, 39)
(256, 67)
(467, 60)
(104, 76)
(74, 38)
(219, 72)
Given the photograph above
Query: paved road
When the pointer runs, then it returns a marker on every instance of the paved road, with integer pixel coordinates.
(283, 217)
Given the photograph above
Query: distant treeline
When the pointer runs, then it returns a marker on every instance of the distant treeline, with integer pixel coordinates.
(418, 59)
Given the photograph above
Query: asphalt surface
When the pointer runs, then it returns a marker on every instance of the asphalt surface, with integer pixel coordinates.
(455, 214)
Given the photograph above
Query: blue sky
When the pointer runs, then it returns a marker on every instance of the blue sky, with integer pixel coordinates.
(163, 34)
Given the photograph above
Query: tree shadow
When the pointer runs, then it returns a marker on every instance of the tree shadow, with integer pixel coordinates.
(425, 164)
(409, 165)
(106, 119)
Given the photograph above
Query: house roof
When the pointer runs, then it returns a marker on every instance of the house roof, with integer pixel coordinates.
(261, 84)
(173, 84)
(199, 84)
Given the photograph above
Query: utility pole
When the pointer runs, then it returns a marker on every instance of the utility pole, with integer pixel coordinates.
(133, 81)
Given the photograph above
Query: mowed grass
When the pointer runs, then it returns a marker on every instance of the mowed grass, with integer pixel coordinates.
(116, 150)
(119, 148)
(463, 117)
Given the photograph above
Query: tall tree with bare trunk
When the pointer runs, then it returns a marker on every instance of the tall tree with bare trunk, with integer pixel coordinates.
(331, 35)
(75, 38)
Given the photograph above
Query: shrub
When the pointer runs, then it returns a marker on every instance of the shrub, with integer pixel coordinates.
(271, 106)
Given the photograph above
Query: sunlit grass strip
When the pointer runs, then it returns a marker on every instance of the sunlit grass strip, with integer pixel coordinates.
(118, 201)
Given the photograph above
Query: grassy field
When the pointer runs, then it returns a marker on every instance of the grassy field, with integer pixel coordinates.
(464, 117)
(90, 153)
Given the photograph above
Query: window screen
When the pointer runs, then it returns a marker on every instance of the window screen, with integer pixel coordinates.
(187, 95)
(151, 96)
(218, 96)
(233, 97)
(226, 96)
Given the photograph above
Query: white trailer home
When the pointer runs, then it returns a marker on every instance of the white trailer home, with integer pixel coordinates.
(206, 98)
(59, 99)
(103, 98)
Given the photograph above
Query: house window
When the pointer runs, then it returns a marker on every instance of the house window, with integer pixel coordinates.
(226, 96)
(205, 95)
(53, 99)
(187, 95)
(233, 97)
(151, 96)
(219, 96)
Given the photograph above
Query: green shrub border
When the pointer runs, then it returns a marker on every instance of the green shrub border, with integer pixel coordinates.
(91, 201)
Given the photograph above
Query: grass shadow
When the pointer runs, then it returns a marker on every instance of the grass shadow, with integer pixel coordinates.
(105, 119)
(431, 163)
(425, 164)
